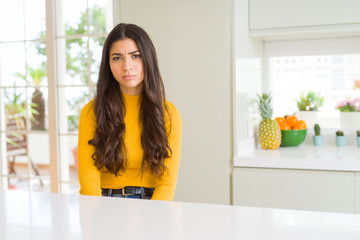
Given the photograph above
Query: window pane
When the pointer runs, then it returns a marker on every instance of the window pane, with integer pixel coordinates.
(69, 160)
(11, 21)
(330, 75)
(12, 64)
(36, 62)
(15, 109)
(98, 11)
(96, 45)
(16, 150)
(73, 16)
(76, 61)
(17, 184)
(70, 188)
(39, 153)
(37, 111)
(34, 19)
(71, 101)
(40, 185)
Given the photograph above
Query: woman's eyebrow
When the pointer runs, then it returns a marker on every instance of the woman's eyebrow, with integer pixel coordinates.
(134, 52)
(120, 54)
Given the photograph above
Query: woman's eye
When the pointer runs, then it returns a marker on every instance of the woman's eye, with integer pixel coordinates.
(136, 56)
(117, 58)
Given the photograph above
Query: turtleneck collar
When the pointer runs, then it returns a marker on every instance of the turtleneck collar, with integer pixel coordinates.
(131, 99)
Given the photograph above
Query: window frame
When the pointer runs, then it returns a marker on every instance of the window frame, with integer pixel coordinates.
(53, 86)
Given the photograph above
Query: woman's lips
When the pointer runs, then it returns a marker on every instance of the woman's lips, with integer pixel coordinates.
(129, 77)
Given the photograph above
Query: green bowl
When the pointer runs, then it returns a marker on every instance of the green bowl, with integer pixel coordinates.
(292, 138)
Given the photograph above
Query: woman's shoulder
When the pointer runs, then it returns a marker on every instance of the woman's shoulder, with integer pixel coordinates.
(171, 107)
(89, 108)
(173, 111)
(89, 105)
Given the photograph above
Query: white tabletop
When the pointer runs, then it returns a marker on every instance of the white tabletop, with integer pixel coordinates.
(31, 215)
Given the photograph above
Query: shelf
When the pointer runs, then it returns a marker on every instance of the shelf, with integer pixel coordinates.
(305, 156)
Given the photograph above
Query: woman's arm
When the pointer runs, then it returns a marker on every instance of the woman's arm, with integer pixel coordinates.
(89, 175)
(165, 186)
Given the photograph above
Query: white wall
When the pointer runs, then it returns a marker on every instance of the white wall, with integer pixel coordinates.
(193, 41)
(248, 78)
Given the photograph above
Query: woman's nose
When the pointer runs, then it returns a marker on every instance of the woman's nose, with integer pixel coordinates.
(128, 68)
(127, 65)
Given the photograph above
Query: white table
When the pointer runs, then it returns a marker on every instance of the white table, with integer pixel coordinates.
(31, 215)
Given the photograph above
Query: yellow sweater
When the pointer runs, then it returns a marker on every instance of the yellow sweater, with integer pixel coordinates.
(92, 179)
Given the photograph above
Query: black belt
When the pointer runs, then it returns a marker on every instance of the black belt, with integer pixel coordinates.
(146, 192)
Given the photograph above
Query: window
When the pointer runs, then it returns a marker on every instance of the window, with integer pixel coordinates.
(328, 67)
(81, 28)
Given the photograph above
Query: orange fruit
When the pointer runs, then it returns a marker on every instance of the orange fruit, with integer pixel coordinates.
(284, 126)
(292, 120)
(280, 120)
(300, 125)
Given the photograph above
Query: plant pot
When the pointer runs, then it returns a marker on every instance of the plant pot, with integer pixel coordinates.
(309, 117)
(358, 141)
(350, 119)
(318, 140)
(340, 141)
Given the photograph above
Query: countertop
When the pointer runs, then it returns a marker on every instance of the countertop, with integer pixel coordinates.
(34, 215)
(305, 156)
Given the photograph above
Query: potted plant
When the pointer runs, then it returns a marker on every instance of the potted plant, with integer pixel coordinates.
(317, 138)
(308, 105)
(358, 138)
(349, 112)
(340, 138)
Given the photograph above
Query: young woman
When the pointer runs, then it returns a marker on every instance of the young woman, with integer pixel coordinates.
(129, 135)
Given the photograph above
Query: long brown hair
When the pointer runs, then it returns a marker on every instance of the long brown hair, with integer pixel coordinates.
(110, 109)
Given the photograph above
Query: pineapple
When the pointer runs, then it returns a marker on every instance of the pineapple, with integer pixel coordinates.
(269, 130)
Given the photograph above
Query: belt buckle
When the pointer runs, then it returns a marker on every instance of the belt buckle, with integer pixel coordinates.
(125, 194)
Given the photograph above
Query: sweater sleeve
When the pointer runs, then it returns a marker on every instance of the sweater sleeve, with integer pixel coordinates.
(165, 186)
(89, 175)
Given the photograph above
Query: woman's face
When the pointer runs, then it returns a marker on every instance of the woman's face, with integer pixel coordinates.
(127, 66)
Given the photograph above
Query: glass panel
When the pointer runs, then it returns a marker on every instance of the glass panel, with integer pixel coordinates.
(332, 76)
(69, 160)
(37, 111)
(76, 61)
(35, 19)
(17, 154)
(71, 101)
(39, 154)
(98, 15)
(18, 184)
(61, 54)
(12, 64)
(36, 62)
(96, 45)
(70, 188)
(15, 109)
(11, 20)
(40, 185)
(73, 15)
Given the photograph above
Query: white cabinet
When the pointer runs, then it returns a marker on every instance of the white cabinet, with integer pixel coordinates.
(330, 191)
(265, 14)
(305, 16)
